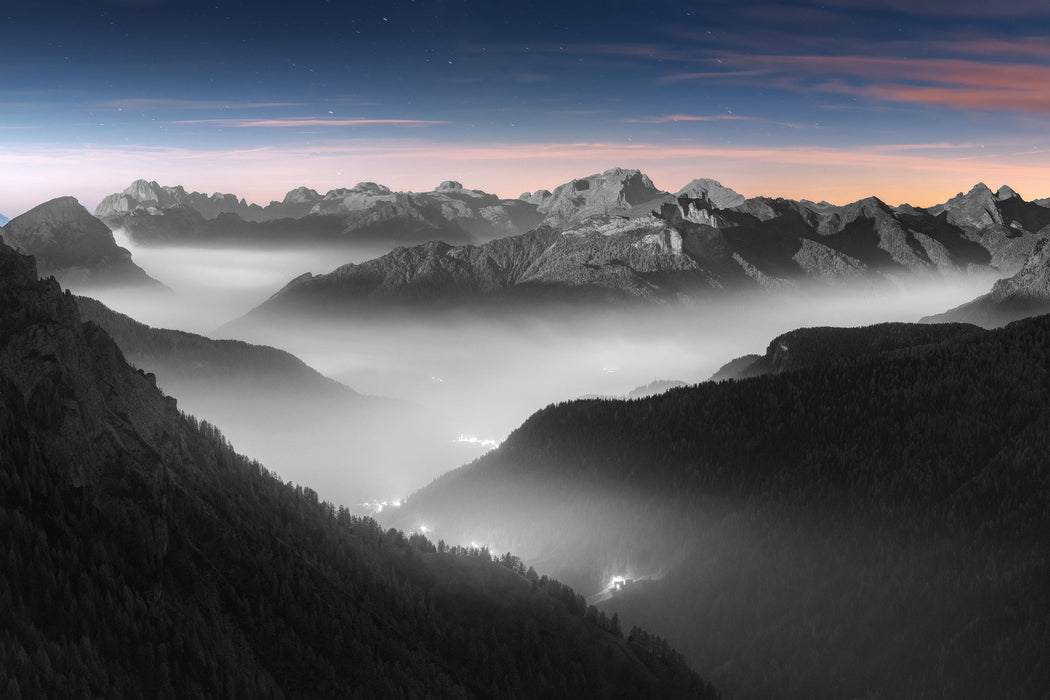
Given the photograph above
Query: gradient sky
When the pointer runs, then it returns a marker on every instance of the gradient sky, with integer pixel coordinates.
(909, 100)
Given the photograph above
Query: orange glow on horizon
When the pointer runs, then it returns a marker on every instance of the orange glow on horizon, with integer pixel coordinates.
(919, 174)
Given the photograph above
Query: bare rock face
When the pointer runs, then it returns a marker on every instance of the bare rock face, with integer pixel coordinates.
(1027, 293)
(976, 208)
(614, 192)
(712, 193)
(74, 246)
(149, 197)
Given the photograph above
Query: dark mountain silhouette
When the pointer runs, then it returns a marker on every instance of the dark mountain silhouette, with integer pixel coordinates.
(865, 527)
(1025, 294)
(808, 347)
(74, 246)
(144, 558)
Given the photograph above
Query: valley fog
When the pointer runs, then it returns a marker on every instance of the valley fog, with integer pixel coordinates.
(473, 378)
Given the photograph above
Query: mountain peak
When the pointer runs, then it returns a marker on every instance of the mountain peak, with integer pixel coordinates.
(713, 192)
(449, 185)
(1005, 192)
(73, 245)
(614, 191)
(300, 195)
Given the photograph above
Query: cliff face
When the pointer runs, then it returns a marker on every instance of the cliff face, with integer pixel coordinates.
(1027, 293)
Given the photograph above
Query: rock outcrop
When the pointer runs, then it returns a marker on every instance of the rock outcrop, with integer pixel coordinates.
(1027, 293)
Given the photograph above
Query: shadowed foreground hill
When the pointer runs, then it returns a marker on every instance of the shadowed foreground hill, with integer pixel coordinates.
(873, 527)
(808, 347)
(144, 558)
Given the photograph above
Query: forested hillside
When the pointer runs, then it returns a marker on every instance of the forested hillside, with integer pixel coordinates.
(144, 558)
(865, 528)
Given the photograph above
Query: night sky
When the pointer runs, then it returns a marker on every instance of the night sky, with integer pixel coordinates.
(909, 100)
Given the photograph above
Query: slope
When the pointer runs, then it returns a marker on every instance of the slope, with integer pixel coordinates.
(144, 558)
(279, 410)
(864, 528)
(1026, 293)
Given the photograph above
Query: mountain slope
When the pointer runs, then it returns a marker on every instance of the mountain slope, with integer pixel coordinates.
(809, 347)
(74, 246)
(1027, 293)
(870, 527)
(143, 557)
(284, 413)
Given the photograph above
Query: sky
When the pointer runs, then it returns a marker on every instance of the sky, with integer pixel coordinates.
(911, 101)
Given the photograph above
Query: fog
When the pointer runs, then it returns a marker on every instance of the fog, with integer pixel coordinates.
(476, 377)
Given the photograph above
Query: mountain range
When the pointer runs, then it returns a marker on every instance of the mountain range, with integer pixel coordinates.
(607, 244)
(143, 557)
(75, 247)
(154, 214)
(865, 518)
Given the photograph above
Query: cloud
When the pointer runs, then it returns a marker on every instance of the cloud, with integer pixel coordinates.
(148, 103)
(960, 83)
(306, 121)
(689, 118)
(673, 118)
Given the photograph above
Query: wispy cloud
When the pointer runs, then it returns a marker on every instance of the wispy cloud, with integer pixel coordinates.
(148, 103)
(306, 121)
(961, 83)
(673, 118)
(690, 118)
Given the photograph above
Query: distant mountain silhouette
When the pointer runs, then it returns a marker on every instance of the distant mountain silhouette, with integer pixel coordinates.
(143, 557)
(1027, 293)
(74, 246)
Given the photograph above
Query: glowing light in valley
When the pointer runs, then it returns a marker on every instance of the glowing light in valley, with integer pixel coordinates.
(480, 442)
(377, 506)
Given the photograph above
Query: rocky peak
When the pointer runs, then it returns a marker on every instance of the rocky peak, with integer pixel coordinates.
(712, 193)
(614, 191)
(371, 188)
(301, 195)
(976, 208)
(1005, 192)
(449, 185)
(143, 191)
(73, 245)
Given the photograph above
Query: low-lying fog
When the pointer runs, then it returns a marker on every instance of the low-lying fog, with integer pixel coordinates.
(486, 376)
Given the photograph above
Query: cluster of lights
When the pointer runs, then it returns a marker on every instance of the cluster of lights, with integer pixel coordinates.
(471, 440)
(378, 506)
